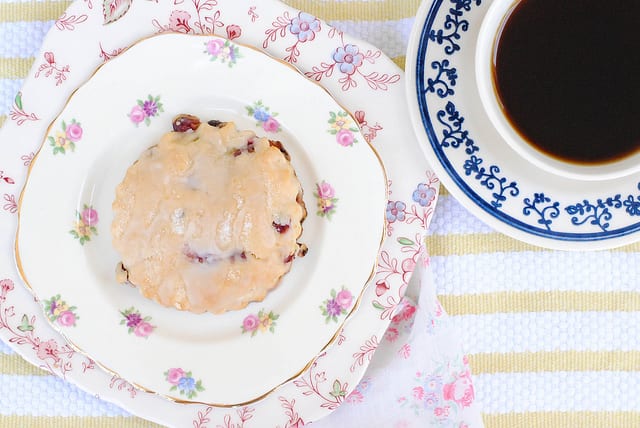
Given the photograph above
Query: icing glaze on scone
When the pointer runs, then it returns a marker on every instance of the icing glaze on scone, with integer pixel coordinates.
(208, 219)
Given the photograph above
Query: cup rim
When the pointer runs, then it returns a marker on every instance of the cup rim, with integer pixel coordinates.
(490, 29)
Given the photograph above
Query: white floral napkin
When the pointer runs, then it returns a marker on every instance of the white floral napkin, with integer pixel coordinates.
(418, 377)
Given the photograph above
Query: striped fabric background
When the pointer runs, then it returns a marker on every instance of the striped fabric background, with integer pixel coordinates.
(552, 337)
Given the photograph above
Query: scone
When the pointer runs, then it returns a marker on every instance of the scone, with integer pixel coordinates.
(209, 218)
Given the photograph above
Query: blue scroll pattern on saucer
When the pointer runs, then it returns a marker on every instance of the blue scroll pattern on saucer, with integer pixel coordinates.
(538, 207)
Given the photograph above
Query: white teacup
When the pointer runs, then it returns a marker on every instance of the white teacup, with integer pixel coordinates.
(490, 30)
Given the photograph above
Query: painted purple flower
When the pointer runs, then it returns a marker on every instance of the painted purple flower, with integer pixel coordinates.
(90, 216)
(74, 132)
(304, 26)
(336, 305)
(271, 125)
(150, 107)
(133, 319)
(395, 211)
(333, 308)
(174, 375)
(349, 58)
(144, 110)
(431, 400)
(137, 115)
(423, 194)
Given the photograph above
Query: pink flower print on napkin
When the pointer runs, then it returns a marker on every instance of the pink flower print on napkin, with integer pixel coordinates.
(460, 390)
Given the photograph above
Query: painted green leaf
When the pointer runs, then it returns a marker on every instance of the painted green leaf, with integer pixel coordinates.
(18, 100)
(24, 324)
(405, 241)
(378, 306)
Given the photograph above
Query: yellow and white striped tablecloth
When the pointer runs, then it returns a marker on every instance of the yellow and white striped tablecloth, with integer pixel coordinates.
(552, 336)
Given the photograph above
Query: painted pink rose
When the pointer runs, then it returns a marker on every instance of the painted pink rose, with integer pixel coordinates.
(233, 31)
(90, 217)
(74, 132)
(137, 114)
(214, 46)
(344, 299)
(143, 329)
(48, 349)
(404, 314)
(418, 393)
(325, 190)
(67, 319)
(174, 376)
(441, 412)
(250, 323)
(345, 138)
(271, 125)
(460, 390)
(355, 397)
(6, 285)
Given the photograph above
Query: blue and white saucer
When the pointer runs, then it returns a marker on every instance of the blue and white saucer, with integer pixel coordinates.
(479, 168)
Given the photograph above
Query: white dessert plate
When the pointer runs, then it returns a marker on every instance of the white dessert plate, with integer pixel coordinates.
(357, 75)
(479, 168)
(104, 128)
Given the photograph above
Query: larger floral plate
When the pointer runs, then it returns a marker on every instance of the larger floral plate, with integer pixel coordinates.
(88, 150)
(477, 165)
(357, 75)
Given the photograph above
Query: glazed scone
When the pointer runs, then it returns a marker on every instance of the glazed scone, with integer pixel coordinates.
(209, 218)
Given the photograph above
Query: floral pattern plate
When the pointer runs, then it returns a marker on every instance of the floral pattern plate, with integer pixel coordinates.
(476, 164)
(88, 149)
(357, 75)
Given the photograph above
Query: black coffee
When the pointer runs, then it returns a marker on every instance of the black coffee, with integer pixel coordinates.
(568, 75)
